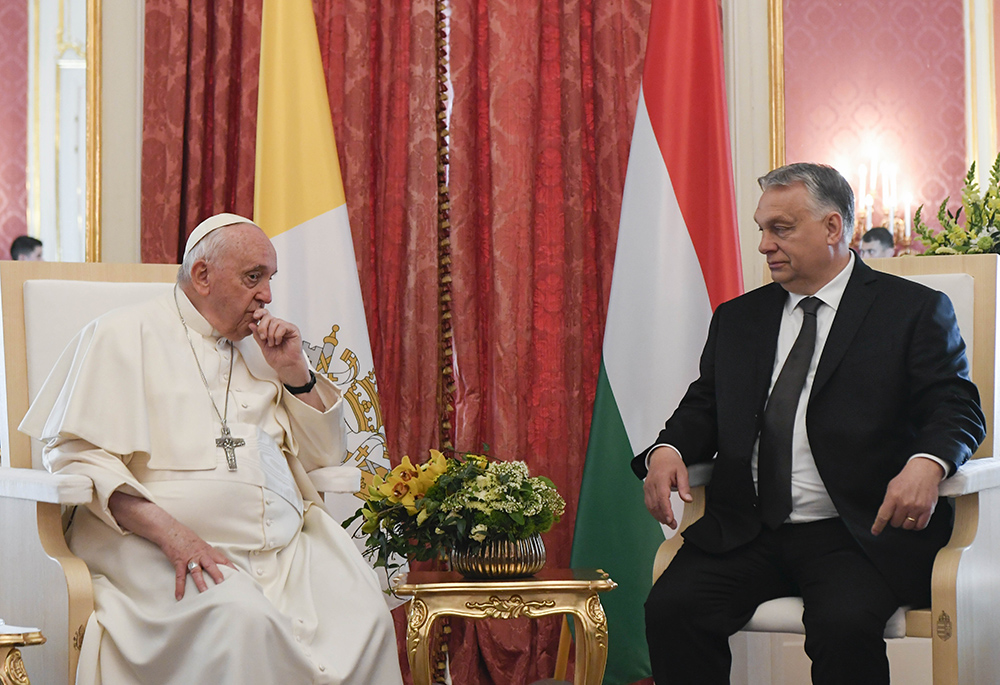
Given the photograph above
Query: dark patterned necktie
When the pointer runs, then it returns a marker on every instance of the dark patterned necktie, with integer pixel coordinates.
(774, 452)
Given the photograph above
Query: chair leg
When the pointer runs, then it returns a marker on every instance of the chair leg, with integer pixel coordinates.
(562, 656)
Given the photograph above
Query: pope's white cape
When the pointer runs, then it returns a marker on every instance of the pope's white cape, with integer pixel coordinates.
(657, 281)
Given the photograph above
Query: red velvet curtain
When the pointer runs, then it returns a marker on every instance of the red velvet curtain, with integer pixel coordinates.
(199, 117)
(545, 97)
(381, 79)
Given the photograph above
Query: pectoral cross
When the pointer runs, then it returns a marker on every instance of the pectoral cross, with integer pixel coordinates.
(229, 443)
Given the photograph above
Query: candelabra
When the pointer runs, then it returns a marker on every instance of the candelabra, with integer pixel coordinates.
(888, 204)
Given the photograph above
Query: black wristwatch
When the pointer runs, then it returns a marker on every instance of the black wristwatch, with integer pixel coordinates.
(302, 389)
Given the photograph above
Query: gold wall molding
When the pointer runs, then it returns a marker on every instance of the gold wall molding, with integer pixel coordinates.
(93, 228)
(776, 61)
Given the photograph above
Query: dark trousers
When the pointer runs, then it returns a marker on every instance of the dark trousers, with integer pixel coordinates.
(702, 599)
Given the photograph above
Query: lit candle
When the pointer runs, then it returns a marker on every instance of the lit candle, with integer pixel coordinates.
(862, 182)
(869, 204)
(885, 187)
(873, 178)
(907, 225)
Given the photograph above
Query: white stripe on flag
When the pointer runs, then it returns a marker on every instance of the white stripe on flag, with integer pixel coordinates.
(317, 287)
(658, 281)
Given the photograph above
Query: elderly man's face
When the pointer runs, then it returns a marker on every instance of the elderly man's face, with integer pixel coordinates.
(239, 280)
(803, 246)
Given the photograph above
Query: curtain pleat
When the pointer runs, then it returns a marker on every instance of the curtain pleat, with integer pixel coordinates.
(199, 117)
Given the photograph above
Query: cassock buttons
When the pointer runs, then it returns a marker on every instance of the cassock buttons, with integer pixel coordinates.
(260, 572)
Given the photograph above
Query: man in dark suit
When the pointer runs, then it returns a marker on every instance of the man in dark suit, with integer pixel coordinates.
(827, 468)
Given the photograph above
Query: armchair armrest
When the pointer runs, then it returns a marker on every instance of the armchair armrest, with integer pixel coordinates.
(974, 475)
(700, 474)
(336, 478)
(42, 486)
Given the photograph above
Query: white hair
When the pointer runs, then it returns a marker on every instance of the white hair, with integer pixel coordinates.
(208, 248)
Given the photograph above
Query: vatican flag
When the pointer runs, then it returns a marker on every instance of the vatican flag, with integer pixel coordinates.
(299, 202)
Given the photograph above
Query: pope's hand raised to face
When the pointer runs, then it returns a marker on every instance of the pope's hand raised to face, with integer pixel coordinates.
(281, 344)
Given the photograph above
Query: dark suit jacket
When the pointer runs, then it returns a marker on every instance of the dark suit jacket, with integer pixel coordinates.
(892, 382)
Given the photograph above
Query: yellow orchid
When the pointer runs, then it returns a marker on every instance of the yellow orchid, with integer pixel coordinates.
(437, 464)
(401, 486)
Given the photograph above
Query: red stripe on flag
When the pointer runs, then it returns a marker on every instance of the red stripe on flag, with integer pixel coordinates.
(683, 82)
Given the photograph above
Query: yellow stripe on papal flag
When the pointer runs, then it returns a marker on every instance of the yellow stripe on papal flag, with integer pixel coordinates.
(299, 202)
(297, 169)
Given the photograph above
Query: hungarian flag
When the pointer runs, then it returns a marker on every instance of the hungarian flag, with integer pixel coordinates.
(299, 202)
(677, 259)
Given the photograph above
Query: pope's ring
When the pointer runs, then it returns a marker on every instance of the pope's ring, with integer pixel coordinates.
(192, 565)
(910, 518)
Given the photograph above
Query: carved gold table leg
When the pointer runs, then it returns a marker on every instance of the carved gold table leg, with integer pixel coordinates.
(13, 672)
(418, 640)
(591, 641)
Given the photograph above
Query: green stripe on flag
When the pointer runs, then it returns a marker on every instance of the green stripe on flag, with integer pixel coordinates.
(616, 533)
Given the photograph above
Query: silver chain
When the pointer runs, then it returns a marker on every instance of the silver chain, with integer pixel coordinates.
(232, 353)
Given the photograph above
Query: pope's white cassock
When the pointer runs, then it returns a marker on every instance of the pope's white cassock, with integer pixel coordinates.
(126, 406)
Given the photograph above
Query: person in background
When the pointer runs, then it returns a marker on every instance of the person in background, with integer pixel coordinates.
(26, 249)
(877, 243)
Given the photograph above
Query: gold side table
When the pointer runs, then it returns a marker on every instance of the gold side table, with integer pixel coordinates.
(552, 591)
(11, 667)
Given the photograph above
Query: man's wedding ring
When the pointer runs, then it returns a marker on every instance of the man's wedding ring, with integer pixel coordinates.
(192, 565)
(908, 518)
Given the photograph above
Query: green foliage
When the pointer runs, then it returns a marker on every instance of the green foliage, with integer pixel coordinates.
(978, 233)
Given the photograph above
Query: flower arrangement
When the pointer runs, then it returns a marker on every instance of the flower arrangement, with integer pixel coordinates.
(421, 511)
(980, 232)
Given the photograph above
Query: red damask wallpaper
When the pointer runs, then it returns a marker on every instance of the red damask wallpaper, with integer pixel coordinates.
(878, 80)
(13, 123)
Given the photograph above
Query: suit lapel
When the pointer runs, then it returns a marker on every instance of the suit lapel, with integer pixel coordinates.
(854, 305)
(767, 344)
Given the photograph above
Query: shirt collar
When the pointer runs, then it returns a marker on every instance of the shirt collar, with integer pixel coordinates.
(192, 317)
(830, 294)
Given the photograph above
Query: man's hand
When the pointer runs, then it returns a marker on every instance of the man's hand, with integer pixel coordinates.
(281, 344)
(667, 472)
(180, 544)
(911, 496)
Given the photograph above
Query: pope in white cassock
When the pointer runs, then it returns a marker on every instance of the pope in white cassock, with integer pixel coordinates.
(197, 417)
